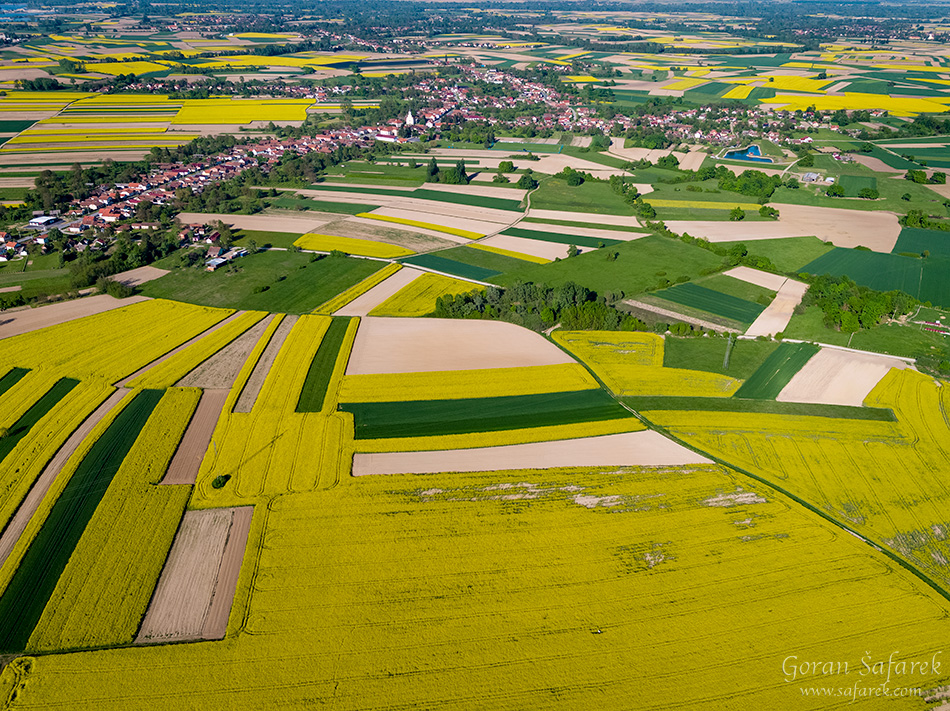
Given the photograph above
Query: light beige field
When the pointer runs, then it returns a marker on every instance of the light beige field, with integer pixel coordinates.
(582, 231)
(416, 239)
(399, 345)
(459, 222)
(644, 448)
(184, 466)
(776, 315)
(364, 303)
(444, 236)
(254, 384)
(10, 289)
(199, 570)
(264, 222)
(14, 323)
(591, 218)
(534, 247)
(31, 502)
(221, 370)
(766, 280)
(183, 346)
(140, 275)
(843, 228)
(838, 377)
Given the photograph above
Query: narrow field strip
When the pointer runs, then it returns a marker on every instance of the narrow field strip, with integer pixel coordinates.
(19, 429)
(509, 253)
(386, 289)
(451, 267)
(21, 322)
(714, 302)
(190, 452)
(647, 448)
(221, 370)
(357, 290)
(104, 590)
(36, 576)
(321, 367)
(419, 297)
(383, 420)
(425, 225)
(11, 378)
(558, 238)
(770, 378)
(255, 381)
(466, 384)
(351, 245)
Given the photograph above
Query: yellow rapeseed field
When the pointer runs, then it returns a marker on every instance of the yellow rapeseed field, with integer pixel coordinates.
(351, 245)
(612, 347)
(419, 296)
(458, 384)
(106, 587)
(511, 253)
(240, 111)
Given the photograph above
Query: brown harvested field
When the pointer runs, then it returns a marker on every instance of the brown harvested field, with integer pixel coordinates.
(45, 480)
(364, 303)
(534, 247)
(254, 384)
(838, 377)
(777, 314)
(401, 345)
(198, 578)
(875, 164)
(428, 234)
(692, 160)
(184, 466)
(644, 448)
(582, 231)
(221, 369)
(591, 218)
(265, 222)
(135, 277)
(183, 346)
(15, 323)
(418, 240)
(843, 228)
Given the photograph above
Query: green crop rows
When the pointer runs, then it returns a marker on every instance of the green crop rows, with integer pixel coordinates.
(32, 585)
(321, 367)
(777, 370)
(29, 418)
(918, 241)
(377, 420)
(714, 302)
(579, 240)
(450, 266)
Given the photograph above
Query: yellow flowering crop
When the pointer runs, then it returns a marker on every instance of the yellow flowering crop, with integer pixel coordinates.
(612, 347)
(511, 253)
(418, 297)
(351, 245)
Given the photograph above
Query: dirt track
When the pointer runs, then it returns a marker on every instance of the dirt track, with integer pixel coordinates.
(629, 449)
(14, 323)
(197, 438)
(776, 316)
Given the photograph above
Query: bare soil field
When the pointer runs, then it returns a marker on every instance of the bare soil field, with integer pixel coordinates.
(757, 277)
(183, 346)
(590, 217)
(199, 569)
(221, 369)
(534, 247)
(875, 164)
(416, 239)
(399, 345)
(266, 222)
(184, 466)
(582, 231)
(843, 228)
(254, 384)
(838, 377)
(644, 448)
(428, 234)
(14, 323)
(44, 481)
(776, 316)
(363, 304)
(668, 313)
(693, 160)
(135, 277)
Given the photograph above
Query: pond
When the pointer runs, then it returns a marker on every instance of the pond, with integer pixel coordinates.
(751, 153)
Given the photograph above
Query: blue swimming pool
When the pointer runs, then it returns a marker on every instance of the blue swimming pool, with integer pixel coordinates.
(752, 153)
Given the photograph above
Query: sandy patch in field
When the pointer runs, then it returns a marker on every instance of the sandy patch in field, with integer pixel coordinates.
(183, 346)
(45, 480)
(17, 182)
(843, 228)
(363, 304)
(766, 280)
(479, 190)
(593, 219)
(254, 384)
(436, 218)
(10, 289)
(192, 595)
(409, 228)
(630, 449)
(399, 345)
(838, 377)
(875, 164)
(582, 231)
(221, 370)
(776, 316)
(184, 466)
(264, 222)
(19, 322)
(135, 277)
(534, 247)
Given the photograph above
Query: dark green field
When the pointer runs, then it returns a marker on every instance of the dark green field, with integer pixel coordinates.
(465, 199)
(11, 378)
(22, 426)
(294, 284)
(918, 241)
(558, 238)
(714, 302)
(378, 420)
(770, 407)
(321, 367)
(708, 354)
(34, 581)
(853, 184)
(776, 372)
(466, 262)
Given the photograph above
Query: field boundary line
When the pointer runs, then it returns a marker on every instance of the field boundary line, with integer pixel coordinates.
(906, 359)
